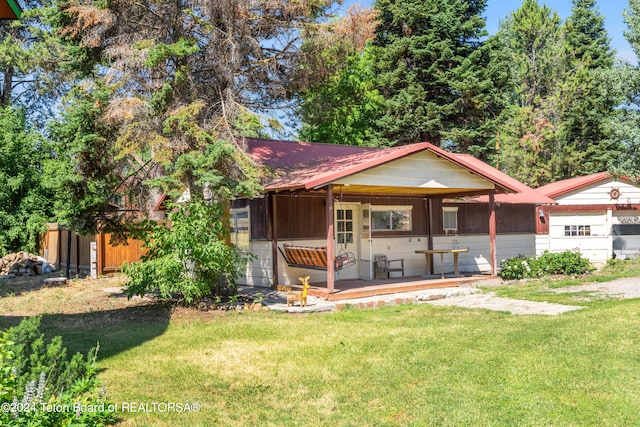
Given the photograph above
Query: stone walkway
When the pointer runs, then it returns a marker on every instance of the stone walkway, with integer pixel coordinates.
(459, 296)
(514, 306)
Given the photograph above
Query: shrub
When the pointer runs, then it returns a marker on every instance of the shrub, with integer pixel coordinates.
(517, 268)
(190, 258)
(567, 263)
(41, 386)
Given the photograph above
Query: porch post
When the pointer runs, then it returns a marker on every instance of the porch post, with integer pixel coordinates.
(430, 231)
(330, 244)
(492, 232)
(272, 211)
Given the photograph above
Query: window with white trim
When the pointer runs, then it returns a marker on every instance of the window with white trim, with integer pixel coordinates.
(577, 230)
(450, 219)
(391, 218)
(239, 228)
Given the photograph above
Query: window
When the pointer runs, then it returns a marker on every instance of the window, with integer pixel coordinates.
(117, 199)
(391, 218)
(344, 226)
(450, 220)
(239, 228)
(577, 230)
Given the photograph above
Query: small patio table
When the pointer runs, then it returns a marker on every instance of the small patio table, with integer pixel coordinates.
(428, 252)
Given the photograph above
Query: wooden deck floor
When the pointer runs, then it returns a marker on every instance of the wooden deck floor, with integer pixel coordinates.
(348, 289)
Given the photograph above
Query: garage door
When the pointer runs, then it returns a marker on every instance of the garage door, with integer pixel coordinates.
(626, 240)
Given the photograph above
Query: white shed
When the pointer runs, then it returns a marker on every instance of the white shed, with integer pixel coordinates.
(598, 214)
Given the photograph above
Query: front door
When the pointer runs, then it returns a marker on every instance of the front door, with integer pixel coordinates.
(347, 236)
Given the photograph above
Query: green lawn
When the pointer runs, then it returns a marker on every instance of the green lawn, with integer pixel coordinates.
(404, 365)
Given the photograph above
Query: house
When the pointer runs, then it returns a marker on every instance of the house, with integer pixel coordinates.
(596, 214)
(369, 201)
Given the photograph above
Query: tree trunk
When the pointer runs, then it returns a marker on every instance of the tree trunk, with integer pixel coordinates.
(7, 85)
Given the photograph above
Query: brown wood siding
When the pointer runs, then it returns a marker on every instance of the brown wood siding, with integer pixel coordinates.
(473, 218)
(300, 216)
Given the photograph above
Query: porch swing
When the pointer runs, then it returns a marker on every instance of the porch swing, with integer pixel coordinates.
(314, 258)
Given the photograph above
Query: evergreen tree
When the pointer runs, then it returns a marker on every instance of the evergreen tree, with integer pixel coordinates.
(341, 109)
(584, 97)
(529, 44)
(25, 204)
(625, 127)
(342, 99)
(431, 71)
(182, 81)
(561, 103)
(586, 40)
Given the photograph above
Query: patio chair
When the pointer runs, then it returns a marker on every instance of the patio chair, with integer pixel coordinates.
(383, 265)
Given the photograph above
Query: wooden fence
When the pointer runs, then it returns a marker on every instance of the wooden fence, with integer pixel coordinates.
(111, 257)
(108, 258)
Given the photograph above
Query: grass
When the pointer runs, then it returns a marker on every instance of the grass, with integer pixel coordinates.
(409, 365)
(404, 365)
(544, 289)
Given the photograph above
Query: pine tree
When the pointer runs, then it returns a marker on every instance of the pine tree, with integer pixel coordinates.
(183, 81)
(25, 203)
(584, 98)
(340, 104)
(625, 127)
(341, 109)
(431, 71)
(529, 43)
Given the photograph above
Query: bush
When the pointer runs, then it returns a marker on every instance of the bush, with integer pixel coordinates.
(190, 258)
(41, 386)
(567, 263)
(518, 268)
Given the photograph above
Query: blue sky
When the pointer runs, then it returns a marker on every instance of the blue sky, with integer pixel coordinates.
(497, 10)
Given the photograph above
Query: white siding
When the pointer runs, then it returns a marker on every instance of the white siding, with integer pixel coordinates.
(597, 222)
(599, 194)
(542, 243)
(597, 248)
(422, 170)
(474, 261)
(258, 271)
(402, 248)
(477, 259)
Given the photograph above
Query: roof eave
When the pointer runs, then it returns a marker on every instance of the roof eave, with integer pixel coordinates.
(599, 177)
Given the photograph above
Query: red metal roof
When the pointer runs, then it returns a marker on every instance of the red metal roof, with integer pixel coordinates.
(524, 194)
(312, 165)
(10, 9)
(565, 186)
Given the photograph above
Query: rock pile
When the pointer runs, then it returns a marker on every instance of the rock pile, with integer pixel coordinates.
(23, 264)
